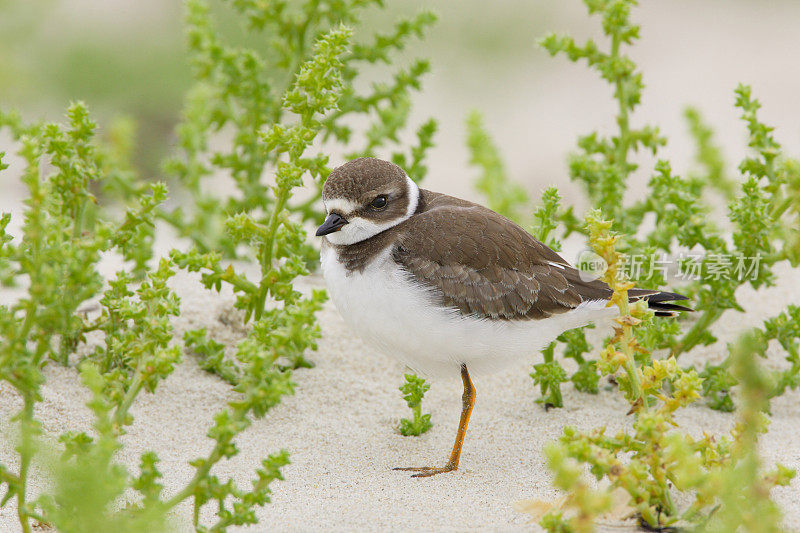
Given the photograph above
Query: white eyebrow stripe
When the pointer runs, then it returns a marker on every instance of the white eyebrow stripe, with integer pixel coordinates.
(413, 197)
(341, 205)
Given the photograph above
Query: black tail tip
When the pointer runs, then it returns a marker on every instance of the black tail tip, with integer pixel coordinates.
(660, 302)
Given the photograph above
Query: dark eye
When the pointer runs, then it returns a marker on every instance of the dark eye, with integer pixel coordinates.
(379, 202)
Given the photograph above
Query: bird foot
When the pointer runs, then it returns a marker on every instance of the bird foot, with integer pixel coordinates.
(427, 471)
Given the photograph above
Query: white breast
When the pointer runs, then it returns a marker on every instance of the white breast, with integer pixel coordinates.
(401, 319)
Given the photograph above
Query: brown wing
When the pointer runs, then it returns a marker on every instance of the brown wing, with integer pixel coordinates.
(485, 265)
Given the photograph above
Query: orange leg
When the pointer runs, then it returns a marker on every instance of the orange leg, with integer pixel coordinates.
(467, 402)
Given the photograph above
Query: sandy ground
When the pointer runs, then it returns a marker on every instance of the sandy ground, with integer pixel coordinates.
(340, 424)
(340, 430)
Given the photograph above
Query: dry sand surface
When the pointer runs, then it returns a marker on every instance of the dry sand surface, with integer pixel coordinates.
(340, 430)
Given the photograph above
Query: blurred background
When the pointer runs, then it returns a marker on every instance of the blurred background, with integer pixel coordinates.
(126, 57)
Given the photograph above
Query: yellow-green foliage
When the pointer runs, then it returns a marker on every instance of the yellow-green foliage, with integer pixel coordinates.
(656, 457)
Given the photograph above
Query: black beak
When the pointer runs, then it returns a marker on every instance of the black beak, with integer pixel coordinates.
(334, 222)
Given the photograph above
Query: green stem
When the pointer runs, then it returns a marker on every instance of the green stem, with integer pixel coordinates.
(781, 208)
(630, 360)
(268, 251)
(238, 282)
(632, 371)
(77, 227)
(195, 513)
(25, 452)
(622, 117)
(8, 477)
(623, 141)
(692, 336)
(205, 468)
(36, 516)
(549, 357)
(555, 394)
(121, 412)
(201, 473)
(548, 352)
(30, 317)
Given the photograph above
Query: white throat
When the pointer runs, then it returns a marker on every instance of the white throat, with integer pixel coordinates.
(358, 229)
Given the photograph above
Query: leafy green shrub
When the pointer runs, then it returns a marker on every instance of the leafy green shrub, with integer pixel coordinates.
(278, 103)
(722, 474)
(278, 108)
(414, 390)
(63, 235)
(62, 239)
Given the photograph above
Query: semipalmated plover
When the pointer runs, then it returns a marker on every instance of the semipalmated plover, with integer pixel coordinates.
(444, 284)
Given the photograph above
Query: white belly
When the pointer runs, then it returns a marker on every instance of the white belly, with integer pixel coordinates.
(401, 319)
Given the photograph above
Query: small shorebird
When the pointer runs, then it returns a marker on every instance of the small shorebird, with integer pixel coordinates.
(444, 284)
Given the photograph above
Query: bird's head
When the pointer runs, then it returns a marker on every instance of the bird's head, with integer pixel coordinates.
(365, 197)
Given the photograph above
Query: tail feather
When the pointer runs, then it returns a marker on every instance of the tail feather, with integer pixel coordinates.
(660, 302)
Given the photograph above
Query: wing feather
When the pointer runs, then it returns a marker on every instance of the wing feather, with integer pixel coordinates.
(484, 265)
